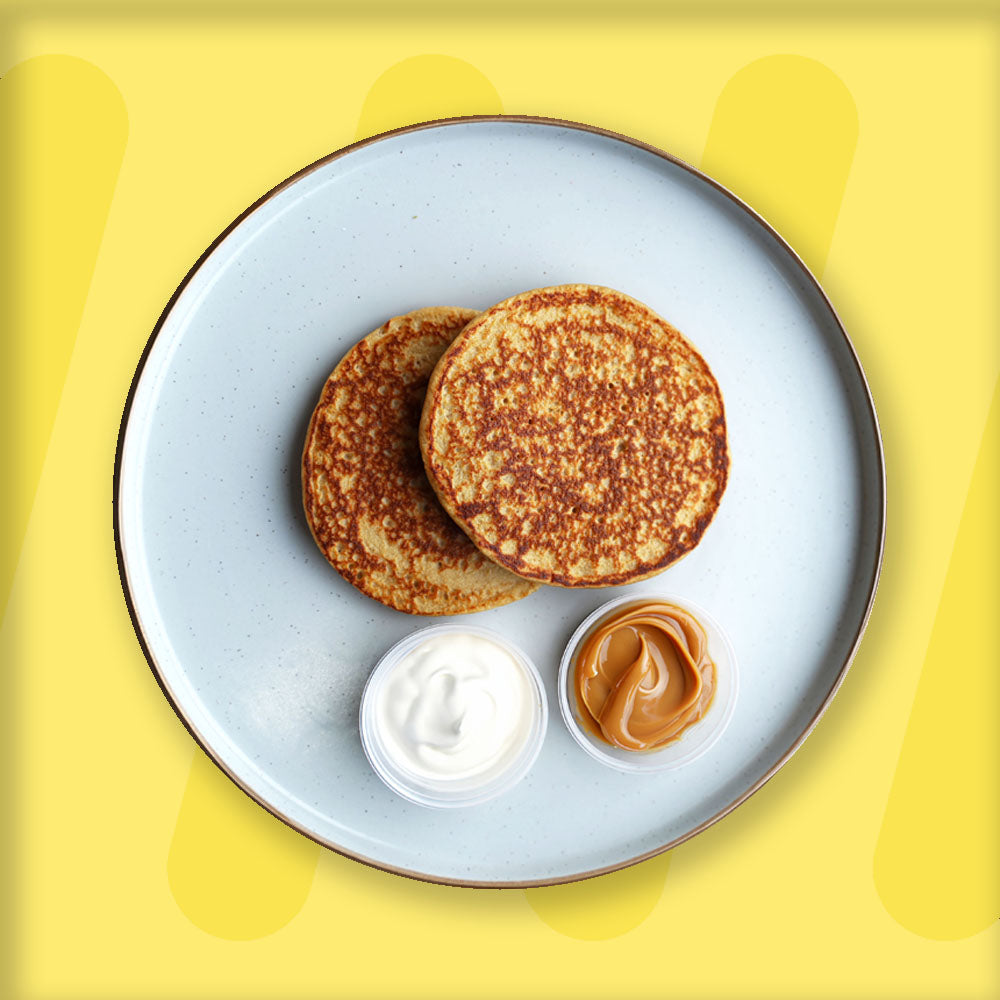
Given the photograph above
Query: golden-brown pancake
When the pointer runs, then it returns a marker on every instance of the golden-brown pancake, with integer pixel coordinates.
(367, 500)
(576, 436)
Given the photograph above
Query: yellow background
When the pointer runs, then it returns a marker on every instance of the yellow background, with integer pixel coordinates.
(134, 133)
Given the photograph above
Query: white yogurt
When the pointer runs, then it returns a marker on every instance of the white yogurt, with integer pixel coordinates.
(453, 716)
(458, 706)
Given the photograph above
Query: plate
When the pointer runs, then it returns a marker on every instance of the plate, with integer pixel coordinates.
(263, 650)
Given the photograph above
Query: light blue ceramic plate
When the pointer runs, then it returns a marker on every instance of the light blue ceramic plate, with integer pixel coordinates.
(261, 647)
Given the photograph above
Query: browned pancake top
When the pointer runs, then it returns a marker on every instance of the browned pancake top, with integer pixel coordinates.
(577, 437)
(367, 499)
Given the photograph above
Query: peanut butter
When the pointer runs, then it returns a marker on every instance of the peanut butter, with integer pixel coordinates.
(643, 675)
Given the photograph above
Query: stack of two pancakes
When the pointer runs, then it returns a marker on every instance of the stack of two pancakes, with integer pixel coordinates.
(568, 435)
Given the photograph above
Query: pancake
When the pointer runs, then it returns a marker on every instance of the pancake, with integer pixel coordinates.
(367, 500)
(576, 436)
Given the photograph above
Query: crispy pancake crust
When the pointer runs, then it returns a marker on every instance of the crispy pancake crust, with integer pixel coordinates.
(576, 436)
(367, 500)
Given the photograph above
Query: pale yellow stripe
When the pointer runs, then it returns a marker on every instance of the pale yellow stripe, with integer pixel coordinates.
(234, 870)
(65, 128)
(605, 907)
(937, 861)
(782, 137)
(423, 88)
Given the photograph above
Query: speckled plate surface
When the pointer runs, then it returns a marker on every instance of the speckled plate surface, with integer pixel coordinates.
(263, 650)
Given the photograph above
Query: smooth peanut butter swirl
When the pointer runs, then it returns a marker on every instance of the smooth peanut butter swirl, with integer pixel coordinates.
(643, 676)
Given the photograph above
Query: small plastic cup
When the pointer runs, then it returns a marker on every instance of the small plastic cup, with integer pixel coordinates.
(447, 792)
(696, 739)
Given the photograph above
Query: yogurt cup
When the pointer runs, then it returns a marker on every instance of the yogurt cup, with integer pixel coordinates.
(403, 771)
(697, 739)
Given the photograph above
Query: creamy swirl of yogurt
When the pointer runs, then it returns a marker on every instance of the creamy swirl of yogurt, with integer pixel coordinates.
(458, 707)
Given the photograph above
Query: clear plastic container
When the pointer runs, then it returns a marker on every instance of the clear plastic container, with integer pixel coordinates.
(449, 792)
(694, 741)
